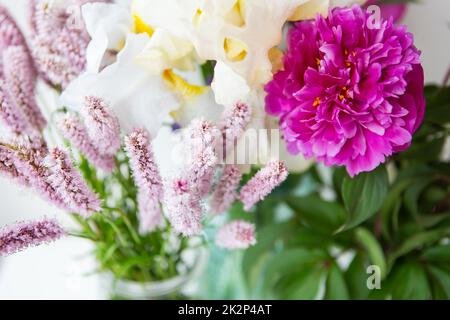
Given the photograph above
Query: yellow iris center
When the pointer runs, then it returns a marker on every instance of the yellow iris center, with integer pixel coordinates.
(235, 50)
(141, 27)
(181, 86)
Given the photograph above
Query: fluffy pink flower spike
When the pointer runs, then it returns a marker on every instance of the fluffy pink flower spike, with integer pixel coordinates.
(10, 34)
(226, 189)
(102, 126)
(233, 124)
(29, 162)
(74, 131)
(263, 183)
(8, 167)
(20, 81)
(18, 108)
(237, 234)
(23, 235)
(69, 184)
(147, 178)
(59, 40)
(183, 206)
(201, 141)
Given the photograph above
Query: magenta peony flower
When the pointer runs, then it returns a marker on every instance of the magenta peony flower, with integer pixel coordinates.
(349, 95)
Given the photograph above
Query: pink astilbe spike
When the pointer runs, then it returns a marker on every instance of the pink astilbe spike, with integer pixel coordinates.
(69, 184)
(7, 166)
(23, 235)
(233, 124)
(20, 81)
(59, 40)
(10, 34)
(226, 189)
(74, 131)
(147, 178)
(237, 234)
(30, 164)
(183, 207)
(201, 141)
(35, 142)
(12, 117)
(102, 125)
(262, 184)
(18, 109)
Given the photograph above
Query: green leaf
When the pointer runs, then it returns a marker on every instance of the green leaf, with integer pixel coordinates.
(417, 241)
(364, 195)
(317, 213)
(356, 278)
(336, 287)
(301, 285)
(432, 219)
(409, 282)
(437, 254)
(438, 105)
(338, 178)
(437, 290)
(310, 238)
(393, 201)
(291, 261)
(109, 253)
(412, 193)
(441, 283)
(425, 151)
(374, 250)
(254, 257)
(237, 212)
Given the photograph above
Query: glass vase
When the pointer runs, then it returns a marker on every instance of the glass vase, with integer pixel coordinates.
(172, 288)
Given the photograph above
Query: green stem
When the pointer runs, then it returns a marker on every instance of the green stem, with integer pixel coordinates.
(123, 241)
(85, 225)
(127, 221)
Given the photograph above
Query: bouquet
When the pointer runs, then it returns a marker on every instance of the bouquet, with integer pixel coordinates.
(184, 125)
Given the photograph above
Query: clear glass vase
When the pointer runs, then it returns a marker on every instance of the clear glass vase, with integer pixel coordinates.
(173, 288)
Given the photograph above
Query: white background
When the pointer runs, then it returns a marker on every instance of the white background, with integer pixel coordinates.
(59, 271)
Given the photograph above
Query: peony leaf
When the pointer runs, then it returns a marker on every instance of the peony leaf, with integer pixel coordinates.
(364, 195)
(304, 284)
(409, 282)
(373, 248)
(438, 253)
(336, 288)
(319, 214)
(356, 278)
(255, 257)
(440, 283)
(438, 105)
(417, 241)
(295, 273)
